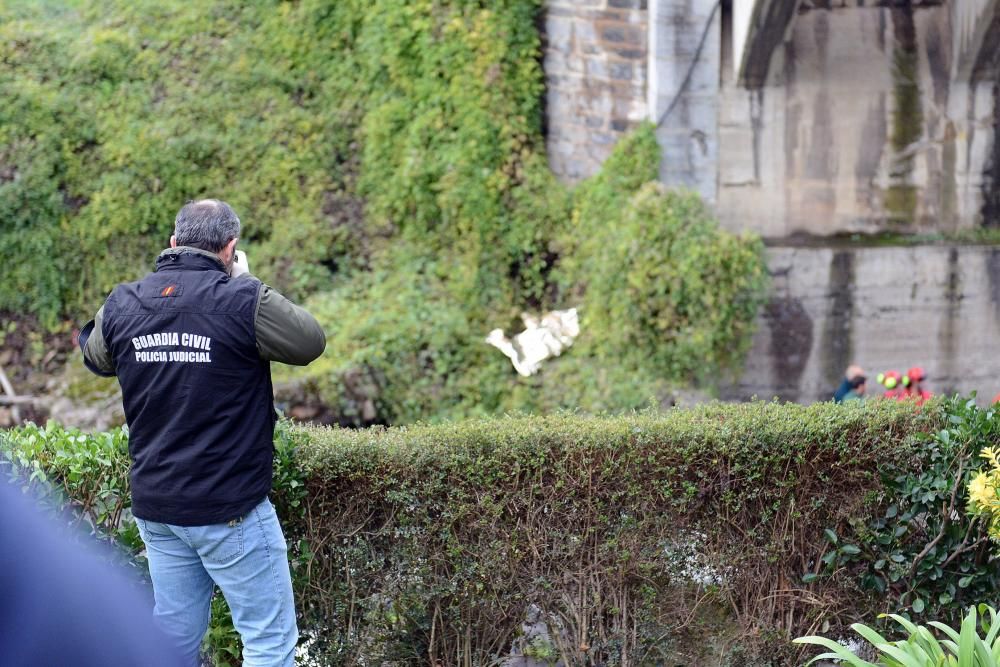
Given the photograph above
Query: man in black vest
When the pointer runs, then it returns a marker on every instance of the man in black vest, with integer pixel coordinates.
(191, 345)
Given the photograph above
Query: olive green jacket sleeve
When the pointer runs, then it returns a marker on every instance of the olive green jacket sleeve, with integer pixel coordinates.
(285, 332)
(95, 351)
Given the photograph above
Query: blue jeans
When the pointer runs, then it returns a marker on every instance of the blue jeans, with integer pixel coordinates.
(248, 560)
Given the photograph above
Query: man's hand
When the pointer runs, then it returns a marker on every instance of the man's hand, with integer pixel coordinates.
(240, 265)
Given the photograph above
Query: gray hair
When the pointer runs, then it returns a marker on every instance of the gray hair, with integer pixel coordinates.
(208, 224)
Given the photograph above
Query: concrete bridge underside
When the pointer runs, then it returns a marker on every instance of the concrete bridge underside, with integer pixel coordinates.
(814, 123)
(853, 116)
(760, 26)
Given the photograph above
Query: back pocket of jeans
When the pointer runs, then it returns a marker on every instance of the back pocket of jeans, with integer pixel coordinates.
(226, 543)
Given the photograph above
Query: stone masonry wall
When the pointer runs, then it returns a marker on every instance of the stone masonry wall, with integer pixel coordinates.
(595, 73)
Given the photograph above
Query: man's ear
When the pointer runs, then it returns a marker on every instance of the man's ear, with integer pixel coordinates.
(173, 241)
(231, 249)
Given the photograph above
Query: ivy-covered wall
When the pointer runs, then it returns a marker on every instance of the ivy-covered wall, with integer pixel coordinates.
(388, 163)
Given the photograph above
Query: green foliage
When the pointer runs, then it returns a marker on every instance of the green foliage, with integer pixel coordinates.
(453, 116)
(921, 553)
(965, 648)
(117, 113)
(404, 359)
(644, 533)
(403, 348)
(598, 203)
(83, 472)
(387, 159)
(221, 644)
(669, 289)
(31, 166)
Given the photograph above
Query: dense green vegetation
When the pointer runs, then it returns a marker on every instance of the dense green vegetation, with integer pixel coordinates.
(388, 163)
(114, 113)
(704, 536)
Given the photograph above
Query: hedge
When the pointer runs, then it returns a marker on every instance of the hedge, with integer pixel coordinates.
(702, 536)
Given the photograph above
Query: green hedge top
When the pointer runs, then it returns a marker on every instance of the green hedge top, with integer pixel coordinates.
(694, 436)
(431, 541)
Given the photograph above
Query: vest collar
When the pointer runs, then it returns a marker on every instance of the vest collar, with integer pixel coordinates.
(188, 258)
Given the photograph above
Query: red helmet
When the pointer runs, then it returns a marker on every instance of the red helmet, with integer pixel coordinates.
(889, 379)
(915, 374)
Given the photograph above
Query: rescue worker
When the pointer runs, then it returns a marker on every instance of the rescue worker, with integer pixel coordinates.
(892, 381)
(913, 385)
(854, 378)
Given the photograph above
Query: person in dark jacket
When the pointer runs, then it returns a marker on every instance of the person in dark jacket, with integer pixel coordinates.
(857, 390)
(853, 385)
(191, 345)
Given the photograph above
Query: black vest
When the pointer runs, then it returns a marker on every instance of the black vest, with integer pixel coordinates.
(197, 395)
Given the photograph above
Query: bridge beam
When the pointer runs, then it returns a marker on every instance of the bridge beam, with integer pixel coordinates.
(975, 39)
(759, 27)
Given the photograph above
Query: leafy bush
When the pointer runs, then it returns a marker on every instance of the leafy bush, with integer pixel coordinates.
(118, 112)
(633, 537)
(920, 553)
(87, 475)
(599, 201)
(400, 350)
(921, 648)
(115, 113)
(403, 348)
(451, 129)
(671, 290)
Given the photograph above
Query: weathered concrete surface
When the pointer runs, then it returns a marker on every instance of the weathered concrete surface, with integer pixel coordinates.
(862, 116)
(859, 128)
(684, 57)
(976, 38)
(884, 308)
(806, 116)
(595, 61)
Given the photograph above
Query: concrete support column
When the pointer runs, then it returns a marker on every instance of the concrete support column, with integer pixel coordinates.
(974, 108)
(973, 111)
(683, 90)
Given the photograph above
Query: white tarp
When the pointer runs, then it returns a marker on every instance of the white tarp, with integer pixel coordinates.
(541, 339)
